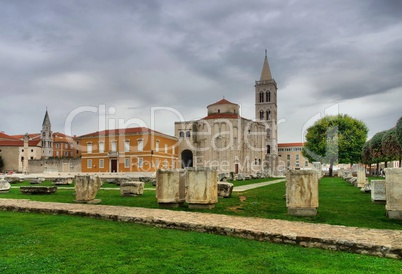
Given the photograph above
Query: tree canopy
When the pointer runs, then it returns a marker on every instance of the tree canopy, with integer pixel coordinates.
(398, 130)
(390, 145)
(335, 139)
(376, 147)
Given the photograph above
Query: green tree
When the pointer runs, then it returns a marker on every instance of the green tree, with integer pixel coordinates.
(335, 139)
(376, 149)
(399, 131)
(366, 155)
(390, 146)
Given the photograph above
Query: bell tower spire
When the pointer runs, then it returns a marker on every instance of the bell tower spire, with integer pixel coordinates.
(266, 111)
(46, 137)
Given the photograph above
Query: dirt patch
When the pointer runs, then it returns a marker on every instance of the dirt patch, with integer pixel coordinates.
(242, 198)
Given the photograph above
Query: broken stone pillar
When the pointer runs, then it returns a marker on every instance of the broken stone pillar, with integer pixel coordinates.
(202, 188)
(340, 172)
(132, 188)
(86, 188)
(378, 191)
(302, 192)
(4, 186)
(170, 188)
(347, 173)
(318, 167)
(225, 189)
(393, 194)
(361, 176)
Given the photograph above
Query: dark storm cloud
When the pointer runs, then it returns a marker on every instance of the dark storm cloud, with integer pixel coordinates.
(188, 54)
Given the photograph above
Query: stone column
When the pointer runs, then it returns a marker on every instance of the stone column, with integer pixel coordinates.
(302, 192)
(393, 193)
(170, 188)
(86, 188)
(378, 191)
(202, 188)
(361, 176)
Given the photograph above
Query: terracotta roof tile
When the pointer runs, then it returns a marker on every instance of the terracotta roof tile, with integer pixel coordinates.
(222, 102)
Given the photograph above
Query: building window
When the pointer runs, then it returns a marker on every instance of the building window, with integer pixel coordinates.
(66, 153)
(57, 145)
(219, 111)
(31, 158)
(157, 146)
(31, 150)
(156, 163)
(268, 115)
(297, 164)
(268, 96)
(89, 147)
(66, 146)
(101, 163)
(101, 146)
(126, 145)
(261, 115)
(268, 149)
(140, 162)
(181, 134)
(114, 146)
(188, 134)
(306, 163)
(166, 148)
(126, 162)
(288, 157)
(297, 157)
(140, 145)
(89, 163)
(261, 97)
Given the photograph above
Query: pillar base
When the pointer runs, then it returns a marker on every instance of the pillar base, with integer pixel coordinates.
(201, 206)
(305, 212)
(394, 214)
(170, 205)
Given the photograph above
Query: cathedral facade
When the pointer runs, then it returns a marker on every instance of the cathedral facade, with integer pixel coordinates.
(231, 143)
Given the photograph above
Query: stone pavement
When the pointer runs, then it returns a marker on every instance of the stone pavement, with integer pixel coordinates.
(252, 186)
(377, 242)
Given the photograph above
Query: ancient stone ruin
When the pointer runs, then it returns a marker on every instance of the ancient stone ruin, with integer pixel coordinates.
(133, 188)
(302, 192)
(361, 176)
(202, 188)
(86, 188)
(4, 186)
(378, 191)
(225, 189)
(393, 194)
(170, 188)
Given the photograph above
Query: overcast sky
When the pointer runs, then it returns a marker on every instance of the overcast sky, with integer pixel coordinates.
(95, 64)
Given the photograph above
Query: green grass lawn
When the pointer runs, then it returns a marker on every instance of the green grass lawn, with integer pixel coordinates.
(339, 204)
(39, 243)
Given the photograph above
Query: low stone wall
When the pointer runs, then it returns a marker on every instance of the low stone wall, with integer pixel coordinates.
(54, 165)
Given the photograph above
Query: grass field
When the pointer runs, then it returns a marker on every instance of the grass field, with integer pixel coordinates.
(38, 243)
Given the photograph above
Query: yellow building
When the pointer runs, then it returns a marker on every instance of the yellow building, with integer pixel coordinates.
(127, 150)
(290, 155)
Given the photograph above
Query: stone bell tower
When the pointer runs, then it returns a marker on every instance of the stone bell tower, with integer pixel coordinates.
(46, 137)
(266, 111)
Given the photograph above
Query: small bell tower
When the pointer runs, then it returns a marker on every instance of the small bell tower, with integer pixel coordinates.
(46, 137)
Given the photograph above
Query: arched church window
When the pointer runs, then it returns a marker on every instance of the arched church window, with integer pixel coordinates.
(219, 111)
(261, 115)
(188, 134)
(268, 95)
(268, 115)
(181, 134)
(269, 133)
(268, 149)
(261, 97)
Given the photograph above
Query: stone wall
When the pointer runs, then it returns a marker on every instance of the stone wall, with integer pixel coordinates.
(54, 165)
